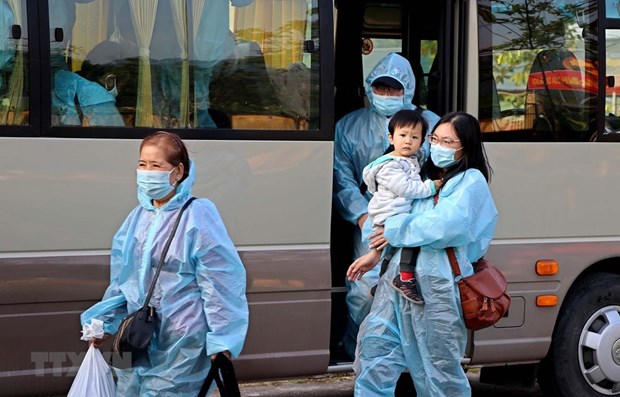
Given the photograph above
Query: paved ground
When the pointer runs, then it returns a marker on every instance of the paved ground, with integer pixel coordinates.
(341, 385)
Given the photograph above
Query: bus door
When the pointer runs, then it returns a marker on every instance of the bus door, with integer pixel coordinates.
(366, 31)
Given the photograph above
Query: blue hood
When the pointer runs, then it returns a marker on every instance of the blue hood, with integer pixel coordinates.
(397, 67)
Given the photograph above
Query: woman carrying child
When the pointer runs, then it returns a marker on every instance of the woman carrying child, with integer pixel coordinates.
(429, 339)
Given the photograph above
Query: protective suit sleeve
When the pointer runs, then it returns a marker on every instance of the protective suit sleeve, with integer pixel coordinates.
(222, 281)
(113, 306)
(350, 202)
(465, 214)
(403, 184)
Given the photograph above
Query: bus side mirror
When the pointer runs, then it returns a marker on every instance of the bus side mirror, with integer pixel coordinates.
(16, 32)
(611, 81)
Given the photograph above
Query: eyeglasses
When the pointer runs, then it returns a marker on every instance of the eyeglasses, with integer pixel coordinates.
(387, 91)
(445, 142)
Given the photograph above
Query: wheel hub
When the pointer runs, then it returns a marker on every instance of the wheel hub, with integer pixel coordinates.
(616, 352)
(599, 350)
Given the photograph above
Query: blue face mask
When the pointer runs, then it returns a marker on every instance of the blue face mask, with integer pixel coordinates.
(387, 105)
(154, 184)
(443, 157)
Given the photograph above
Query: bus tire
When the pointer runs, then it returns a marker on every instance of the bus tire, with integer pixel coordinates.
(584, 358)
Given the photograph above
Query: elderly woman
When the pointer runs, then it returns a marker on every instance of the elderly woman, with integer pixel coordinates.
(200, 293)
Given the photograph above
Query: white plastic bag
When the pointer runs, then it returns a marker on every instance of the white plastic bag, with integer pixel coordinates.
(94, 378)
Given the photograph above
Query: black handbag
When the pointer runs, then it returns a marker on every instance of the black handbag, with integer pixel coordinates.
(134, 335)
(223, 372)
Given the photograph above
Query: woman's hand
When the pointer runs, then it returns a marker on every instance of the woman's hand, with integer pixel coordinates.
(363, 264)
(225, 352)
(98, 342)
(377, 241)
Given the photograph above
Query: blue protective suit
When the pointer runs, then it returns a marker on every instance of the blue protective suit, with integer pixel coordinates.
(361, 137)
(199, 296)
(62, 14)
(96, 103)
(214, 42)
(8, 46)
(430, 339)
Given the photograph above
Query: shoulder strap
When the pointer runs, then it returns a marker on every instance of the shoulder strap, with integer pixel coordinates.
(453, 262)
(165, 251)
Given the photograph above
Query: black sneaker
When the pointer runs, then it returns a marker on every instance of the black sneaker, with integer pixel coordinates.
(408, 290)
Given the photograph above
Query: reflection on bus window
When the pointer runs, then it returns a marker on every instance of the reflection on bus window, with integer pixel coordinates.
(238, 64)
(538, 62)
(13, 63)
(612, 88)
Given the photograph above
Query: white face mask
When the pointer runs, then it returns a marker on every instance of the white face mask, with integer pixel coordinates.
(154, 184)
(110, 85)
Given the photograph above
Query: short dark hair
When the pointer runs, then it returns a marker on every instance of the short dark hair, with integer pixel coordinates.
(175, 149)
(408, 118)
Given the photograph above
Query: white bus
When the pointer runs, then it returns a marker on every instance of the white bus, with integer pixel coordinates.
(256, 96)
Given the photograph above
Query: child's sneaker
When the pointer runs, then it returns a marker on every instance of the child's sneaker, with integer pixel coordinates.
(408, 290)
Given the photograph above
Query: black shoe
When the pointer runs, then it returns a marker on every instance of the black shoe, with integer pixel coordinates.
(408, 290)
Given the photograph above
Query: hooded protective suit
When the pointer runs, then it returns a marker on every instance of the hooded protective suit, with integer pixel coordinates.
(199, 296)
(361, 137)
(429, 340)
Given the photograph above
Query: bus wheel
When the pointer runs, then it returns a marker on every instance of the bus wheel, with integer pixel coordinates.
(584, 359)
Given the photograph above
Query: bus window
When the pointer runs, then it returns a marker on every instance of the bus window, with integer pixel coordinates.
(428, 54)
(537, 70)
(119, 63)
(13, 63)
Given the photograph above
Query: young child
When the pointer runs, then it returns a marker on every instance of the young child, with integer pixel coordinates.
(394, 181)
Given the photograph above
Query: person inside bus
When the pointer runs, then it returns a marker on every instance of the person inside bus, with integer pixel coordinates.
(429, 339)
(394, 181)
(200, 294)
(361, 137)
(75, 99)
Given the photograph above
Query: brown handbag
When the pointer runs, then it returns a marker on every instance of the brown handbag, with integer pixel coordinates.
(483, 294)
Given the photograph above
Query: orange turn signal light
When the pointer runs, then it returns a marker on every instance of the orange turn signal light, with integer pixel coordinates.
(547, 267)
(546, 300)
